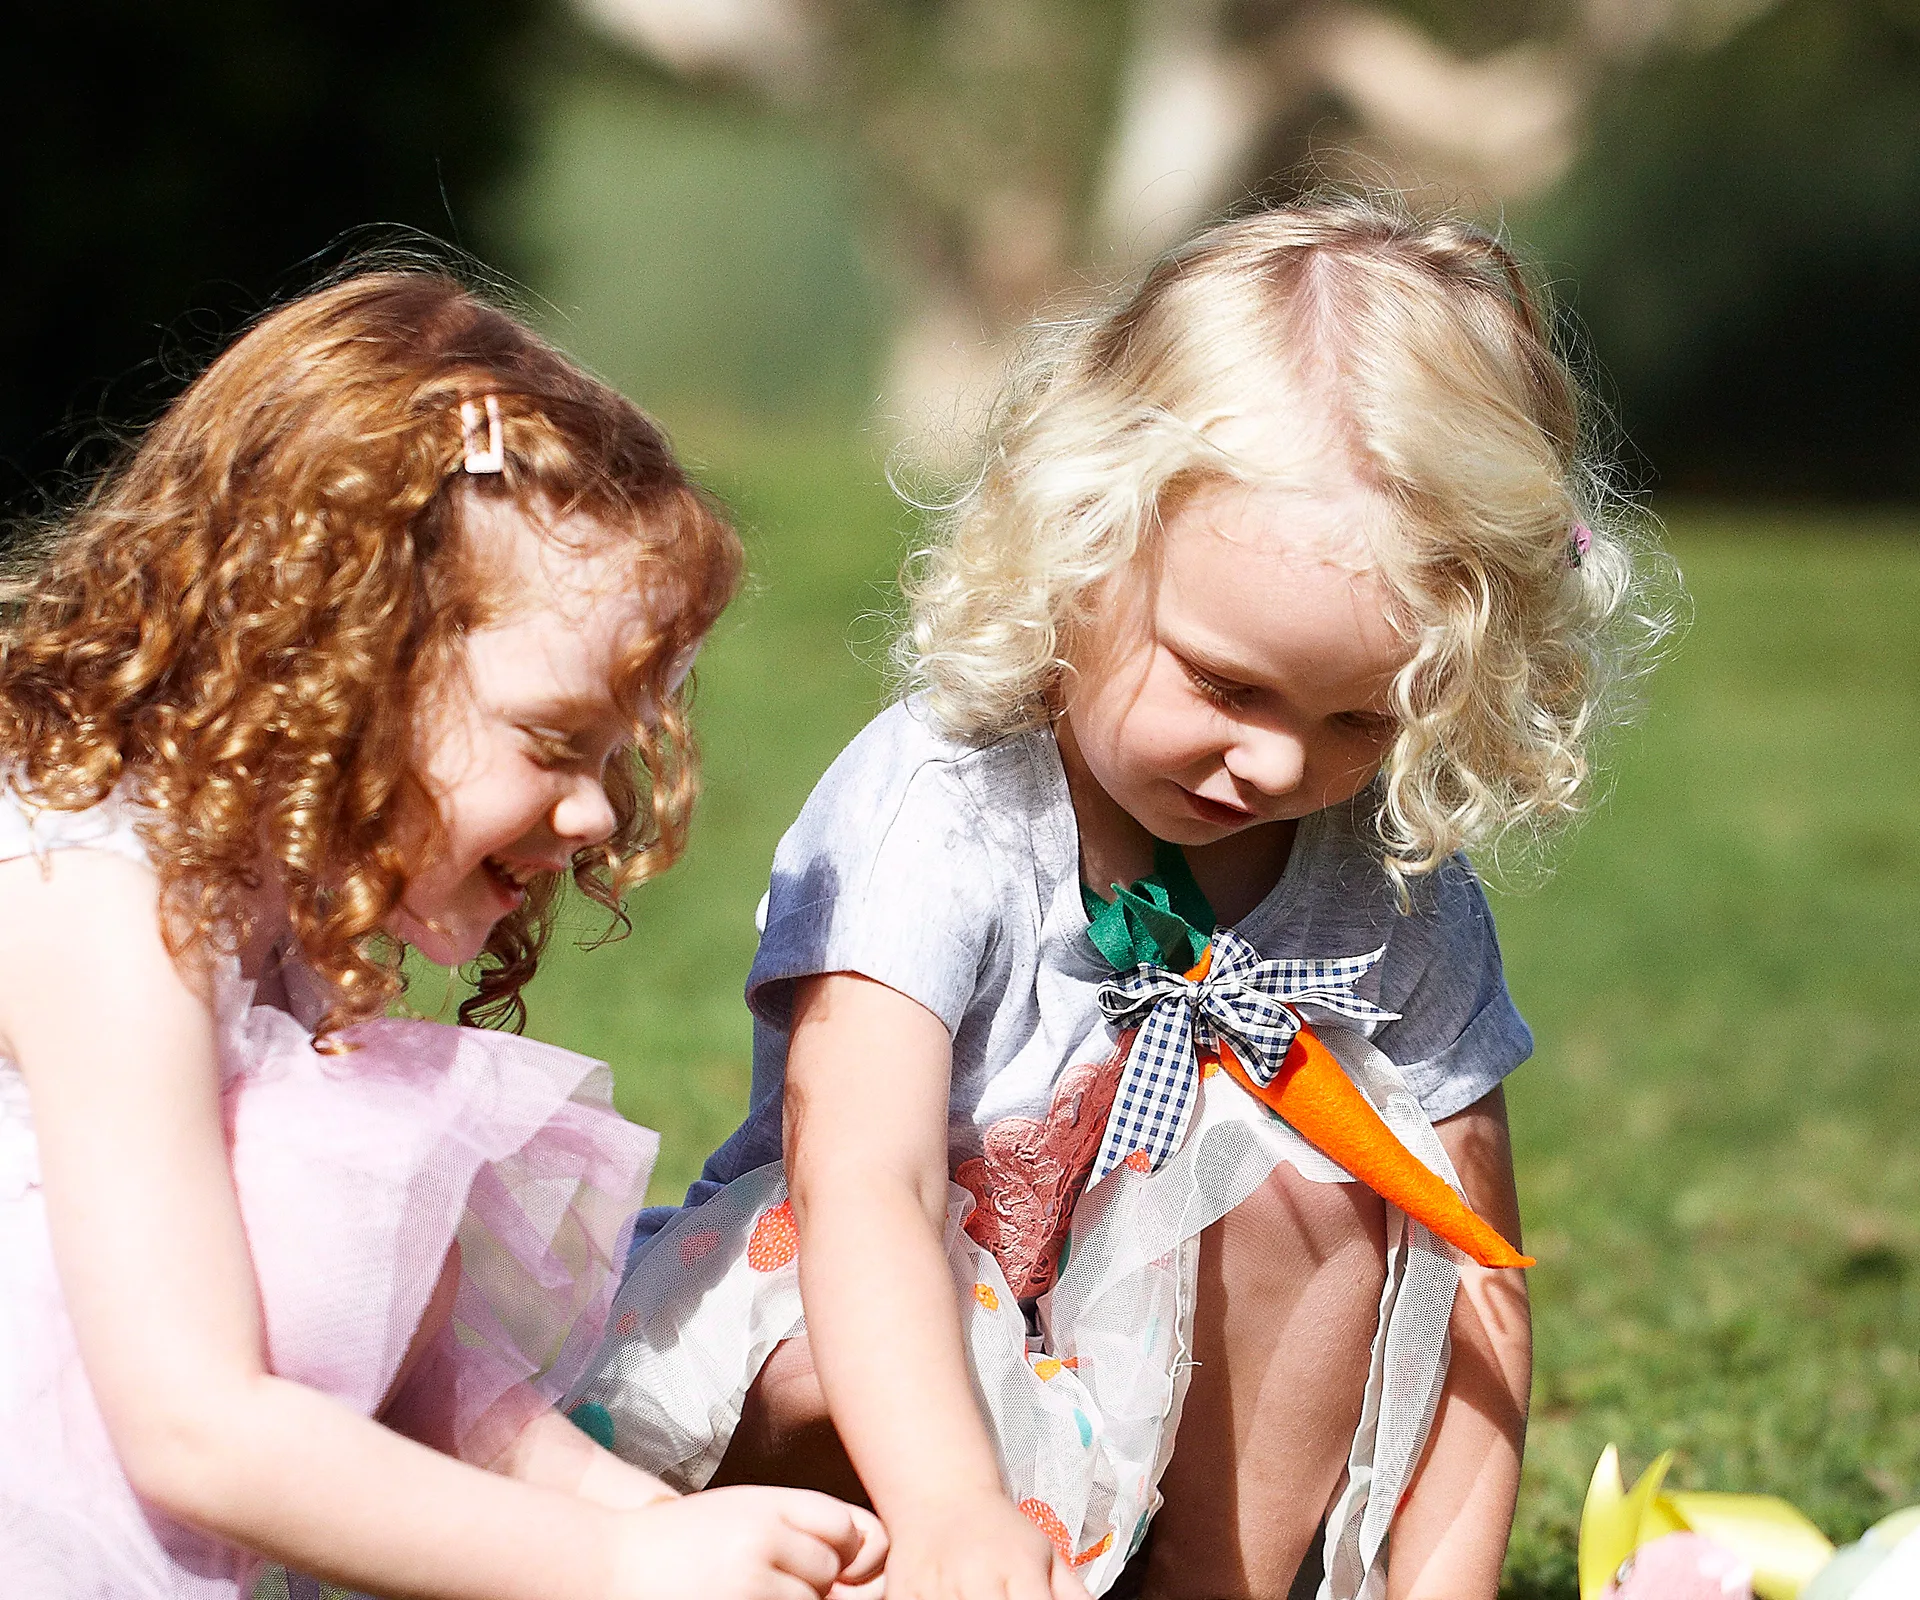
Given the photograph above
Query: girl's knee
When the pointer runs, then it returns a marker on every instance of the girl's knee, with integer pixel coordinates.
(1289, 1299)
(786, 1397)
(1293, 1227)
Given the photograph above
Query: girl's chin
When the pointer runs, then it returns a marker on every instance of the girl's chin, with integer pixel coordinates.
(443, 945)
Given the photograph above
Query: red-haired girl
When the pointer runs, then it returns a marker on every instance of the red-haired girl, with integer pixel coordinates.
(375, 640)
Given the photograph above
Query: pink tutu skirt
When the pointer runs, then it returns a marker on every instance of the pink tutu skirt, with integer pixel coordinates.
(356, 1173)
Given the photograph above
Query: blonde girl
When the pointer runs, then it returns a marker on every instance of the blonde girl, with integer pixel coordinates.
(1095, 973)
(376, 639)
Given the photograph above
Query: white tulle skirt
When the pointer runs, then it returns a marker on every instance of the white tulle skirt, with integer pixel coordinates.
(1083, 1389)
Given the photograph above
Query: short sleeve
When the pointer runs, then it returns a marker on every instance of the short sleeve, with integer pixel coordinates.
(1459, 1033)
(884, 874)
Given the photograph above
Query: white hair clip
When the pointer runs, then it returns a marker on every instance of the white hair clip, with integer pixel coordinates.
(493, 456)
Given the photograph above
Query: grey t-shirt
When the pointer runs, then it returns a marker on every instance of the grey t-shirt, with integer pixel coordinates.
(950, 872)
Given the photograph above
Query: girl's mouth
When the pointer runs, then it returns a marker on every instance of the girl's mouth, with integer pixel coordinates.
(1214, 811)
(511, 880)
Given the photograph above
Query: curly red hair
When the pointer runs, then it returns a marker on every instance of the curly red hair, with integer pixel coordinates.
(241, 624)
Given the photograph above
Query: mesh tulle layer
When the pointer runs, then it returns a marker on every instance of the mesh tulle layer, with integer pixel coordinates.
(1084, 1392)
(355, 1173)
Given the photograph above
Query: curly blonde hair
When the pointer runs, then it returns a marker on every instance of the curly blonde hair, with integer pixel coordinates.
(1424, 345)
(241, 625)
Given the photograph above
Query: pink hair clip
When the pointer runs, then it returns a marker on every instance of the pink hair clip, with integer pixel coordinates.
(492, 457)
(1577, 546)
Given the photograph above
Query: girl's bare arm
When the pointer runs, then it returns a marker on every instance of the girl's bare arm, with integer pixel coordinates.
(1451, 1535)
(118, 1051)
(866, 1148)
(552, 1452)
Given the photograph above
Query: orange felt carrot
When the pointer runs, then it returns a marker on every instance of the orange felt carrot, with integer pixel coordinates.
(1320, 1102)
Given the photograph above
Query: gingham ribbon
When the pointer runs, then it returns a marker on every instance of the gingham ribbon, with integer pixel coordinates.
(1242, 999)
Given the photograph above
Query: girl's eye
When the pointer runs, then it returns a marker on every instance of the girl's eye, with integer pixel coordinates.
(1213, 689)
(1369, 724)
(550, 749)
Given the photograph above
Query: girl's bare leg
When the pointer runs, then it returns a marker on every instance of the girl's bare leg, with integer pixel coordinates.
(785, 1436)
(1288, 1297)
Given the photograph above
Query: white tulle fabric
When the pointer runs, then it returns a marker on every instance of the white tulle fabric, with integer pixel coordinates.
(356, 1173)
(1084, 1404)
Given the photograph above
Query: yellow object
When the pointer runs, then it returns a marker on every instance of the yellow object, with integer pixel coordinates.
(1611, 1521)
(1784, 1549)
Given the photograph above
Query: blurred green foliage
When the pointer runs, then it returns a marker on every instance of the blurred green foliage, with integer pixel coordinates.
(963, 114)
(702, 255)
(1741, 236)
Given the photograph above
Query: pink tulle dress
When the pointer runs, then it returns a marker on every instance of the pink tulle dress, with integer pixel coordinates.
(356, 1173)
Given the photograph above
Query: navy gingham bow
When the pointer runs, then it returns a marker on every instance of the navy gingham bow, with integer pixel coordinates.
(1243, 999)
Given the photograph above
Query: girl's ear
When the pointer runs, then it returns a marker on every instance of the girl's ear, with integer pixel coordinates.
(682, 668)
(1058, 693)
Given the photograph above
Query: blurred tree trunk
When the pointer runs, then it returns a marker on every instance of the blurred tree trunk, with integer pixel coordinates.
(1024, 151)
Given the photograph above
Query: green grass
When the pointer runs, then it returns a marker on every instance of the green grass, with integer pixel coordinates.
(1719, 1139)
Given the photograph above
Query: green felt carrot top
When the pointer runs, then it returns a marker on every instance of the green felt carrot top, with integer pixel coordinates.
(1163, 920)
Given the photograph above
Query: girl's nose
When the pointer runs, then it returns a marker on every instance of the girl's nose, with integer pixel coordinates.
(584, 815)
(1271, 761)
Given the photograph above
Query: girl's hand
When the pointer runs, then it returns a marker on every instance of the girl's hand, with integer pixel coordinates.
(976, 1547)
(747, 1543)
(866, 1127)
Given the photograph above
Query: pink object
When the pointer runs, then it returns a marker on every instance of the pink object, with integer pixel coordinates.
(1682, 1566)
(355, 1174)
